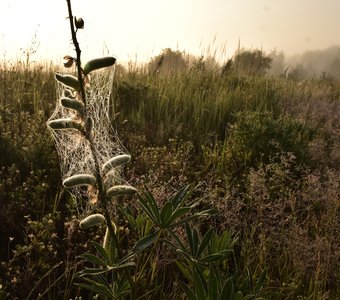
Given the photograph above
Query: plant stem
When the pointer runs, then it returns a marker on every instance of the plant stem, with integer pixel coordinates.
(78, 52)
(102, 198)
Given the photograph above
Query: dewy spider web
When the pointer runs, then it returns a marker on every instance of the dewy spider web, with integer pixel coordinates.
(74, 149)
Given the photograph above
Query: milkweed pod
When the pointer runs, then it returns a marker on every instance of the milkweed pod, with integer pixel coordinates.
(68, 80)
(73, 104)
(98, 63)
(79, 180)
(116, 161)
(108, 241)
(64, 123)
(92, 220)
(121, 190)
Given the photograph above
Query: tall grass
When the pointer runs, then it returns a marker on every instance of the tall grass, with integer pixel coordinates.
(197, 105)
(196, 126)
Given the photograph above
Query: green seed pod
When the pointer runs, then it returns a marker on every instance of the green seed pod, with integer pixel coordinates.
(73, 104)
(116, 161)
(121, 190)
(92, 220)
(79, 180)
(98, 63)
(68, 80)
(65, 123)
(108, 241)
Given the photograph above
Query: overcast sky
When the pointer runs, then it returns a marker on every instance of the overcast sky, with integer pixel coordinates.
(139, 29)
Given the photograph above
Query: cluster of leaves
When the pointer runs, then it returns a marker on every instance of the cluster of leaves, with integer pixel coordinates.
(204, 263)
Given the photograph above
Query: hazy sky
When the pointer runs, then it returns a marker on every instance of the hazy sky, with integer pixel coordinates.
(141, 28)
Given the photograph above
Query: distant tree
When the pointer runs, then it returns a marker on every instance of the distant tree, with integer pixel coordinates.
(298, 73)
(167, 62)
(202, 63)
(252, 62)
(278, 67)
(334, 67)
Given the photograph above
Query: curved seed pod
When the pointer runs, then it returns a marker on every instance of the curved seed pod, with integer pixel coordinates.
(68, 80)
(79, 180)
(65, 123)
(73, 104)
(121, 190)
(115, 162)
(88, 124)
(98, 63)
(92, 220)
(107, 242)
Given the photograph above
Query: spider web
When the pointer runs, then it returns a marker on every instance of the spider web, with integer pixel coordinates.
(74, 150)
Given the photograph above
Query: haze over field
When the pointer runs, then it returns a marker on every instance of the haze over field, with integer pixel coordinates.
(138, 30)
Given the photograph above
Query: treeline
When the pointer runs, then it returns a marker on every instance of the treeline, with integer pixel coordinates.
(249, 62)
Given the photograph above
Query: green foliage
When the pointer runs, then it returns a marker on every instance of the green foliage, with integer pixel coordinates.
(193, 126)
(250, 63)
(255, 138)
(137, 281)
(37, 261)
(169, 61)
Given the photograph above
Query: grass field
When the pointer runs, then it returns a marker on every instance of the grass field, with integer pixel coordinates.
(263, 151)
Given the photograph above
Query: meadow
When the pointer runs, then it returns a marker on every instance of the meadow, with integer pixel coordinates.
(261, 150)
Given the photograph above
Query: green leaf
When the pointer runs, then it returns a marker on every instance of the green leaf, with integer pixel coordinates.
(205, 241)
(186, 255)
(153, 205)
(93, 271)
(195, 241)
(179, 242)
(260, 282)
(165, 214)
(189, 234)
(189, 292)
(131, 220)
(145, 242)
(199, 284)
(125, 258)
(98, 290)
(211, 258)
(203, 213)
(148, 209)
(125, 265)
(94, 259)
(179, 212)
(184, 270)
(212, 286)
(179, 197)
(228, 289)
(123, 288)
(102, 252)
